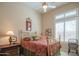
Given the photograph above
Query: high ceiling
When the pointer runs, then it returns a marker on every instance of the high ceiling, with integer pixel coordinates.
(38, 5)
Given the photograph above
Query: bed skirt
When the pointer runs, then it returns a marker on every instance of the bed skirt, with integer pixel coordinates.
(26, 52)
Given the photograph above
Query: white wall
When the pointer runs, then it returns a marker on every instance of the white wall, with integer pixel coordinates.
(13, 17)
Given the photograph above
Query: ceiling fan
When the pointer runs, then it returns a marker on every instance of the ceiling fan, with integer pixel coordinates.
(45, 5)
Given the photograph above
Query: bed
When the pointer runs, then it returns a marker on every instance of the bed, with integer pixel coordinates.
(41, 47)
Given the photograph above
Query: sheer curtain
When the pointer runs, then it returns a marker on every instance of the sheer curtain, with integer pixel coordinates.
(66, 26)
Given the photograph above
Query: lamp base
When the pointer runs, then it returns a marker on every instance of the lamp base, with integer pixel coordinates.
(10, 40)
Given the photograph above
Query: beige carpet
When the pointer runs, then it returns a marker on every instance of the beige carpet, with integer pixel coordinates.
(66, 54)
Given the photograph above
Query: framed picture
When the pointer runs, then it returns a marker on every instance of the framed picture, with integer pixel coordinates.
(14, 39)
(28, 24)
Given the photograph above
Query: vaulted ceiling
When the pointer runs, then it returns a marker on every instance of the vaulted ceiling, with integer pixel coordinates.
(38, 5)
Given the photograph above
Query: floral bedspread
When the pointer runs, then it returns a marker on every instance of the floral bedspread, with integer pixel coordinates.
(40, 47)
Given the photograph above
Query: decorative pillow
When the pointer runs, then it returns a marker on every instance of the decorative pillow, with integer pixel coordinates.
(27, 38)
(44, 37)
(37, 37)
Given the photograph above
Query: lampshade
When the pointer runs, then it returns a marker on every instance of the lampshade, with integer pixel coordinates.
(10, 33)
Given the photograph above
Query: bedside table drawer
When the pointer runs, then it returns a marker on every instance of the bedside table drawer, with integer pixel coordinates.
(12, 52)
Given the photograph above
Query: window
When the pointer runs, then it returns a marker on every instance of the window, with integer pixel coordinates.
(70, 30)
(60, 16)
(66, 25)
(71, 13)
(60, 30)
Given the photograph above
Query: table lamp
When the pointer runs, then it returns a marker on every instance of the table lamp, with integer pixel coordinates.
(10, 33)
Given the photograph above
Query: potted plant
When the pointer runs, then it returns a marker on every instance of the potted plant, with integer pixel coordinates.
(34, 37)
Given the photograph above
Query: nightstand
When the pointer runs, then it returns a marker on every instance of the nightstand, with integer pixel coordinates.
(12, 50)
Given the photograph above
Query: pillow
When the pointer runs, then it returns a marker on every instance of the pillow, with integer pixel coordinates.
(44, 37)
(37, 37)
(27, 39)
